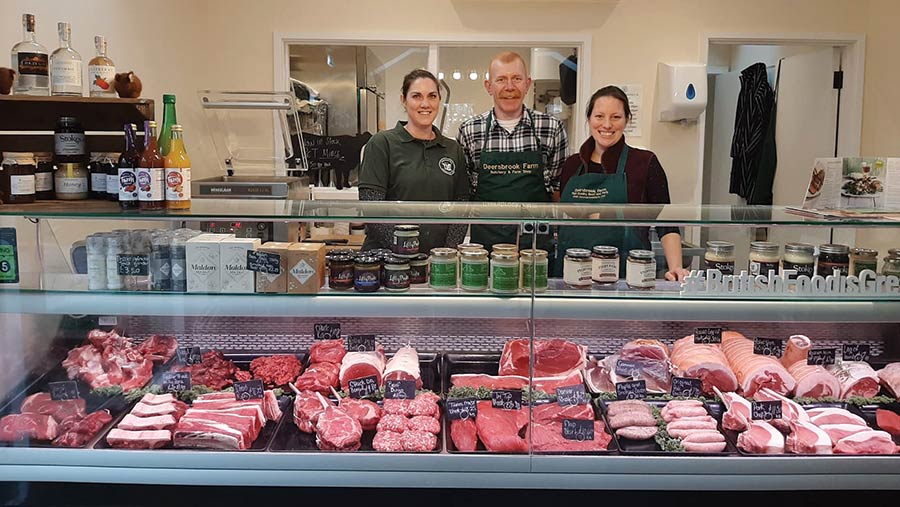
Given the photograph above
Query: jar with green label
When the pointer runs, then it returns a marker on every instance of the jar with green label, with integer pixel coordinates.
(443, 268)
(863, 258)
(504, 272)
(533, 270)
(474, 269)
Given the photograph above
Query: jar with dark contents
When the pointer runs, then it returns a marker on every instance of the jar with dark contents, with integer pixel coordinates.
(43, 176)
(833, 257)
(70, 157)
(17, 178)
(340, 270)
(98, 168)
(406, 240)
(418, 269)
(396, 274)
(366, 276)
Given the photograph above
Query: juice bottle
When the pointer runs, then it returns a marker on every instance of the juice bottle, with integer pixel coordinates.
(169, 119)
(178, 172)
(126, 181)
(151, 173)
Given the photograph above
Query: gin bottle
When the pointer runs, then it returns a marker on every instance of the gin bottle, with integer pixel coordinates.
(101, 71)
(29, 60)
(65, 65)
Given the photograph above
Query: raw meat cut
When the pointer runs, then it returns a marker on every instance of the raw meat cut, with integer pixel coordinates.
(790, 411)
(890, 378)
(307, 409)
(652, 356)
(754, 371)
(157, 399)
(797, 349)
(549, 413)
(176, 408)
(552, 358)
(424, 423)
(739, 410)
(83, 430)
(549, 438)
(857, 378)
(418, 441)
(499, 430)
(866, 442)
(689, 424)
(337, 431)
(834, 416)
(424, 406)
(761, 438)
(645, 349)
(679, 412)
(358, 365)
(653, 371)
(476, 380)
(193, 433)
(125, 439)
(214, 371)
(637, 432)
(41, 403)
(703, 437)
(327, 351)
(464, 434)
(404, 366)
(246, 424)
(320, 378)
(109, 359)
(888, 420)
(396, 407)
(218, 401)
(276, 371)
(706, 362)
(393, 422)
(807, 438)
(597, 378)
(159, 349)
(838, 431)
(631, 419)
(132, 422)
(814, 381)
(17, 427)
(711, 447)
(368, 413)
(549, 384)
(388, 441)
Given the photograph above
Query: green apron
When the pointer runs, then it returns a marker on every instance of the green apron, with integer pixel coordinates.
(509, 177)
(593, 188)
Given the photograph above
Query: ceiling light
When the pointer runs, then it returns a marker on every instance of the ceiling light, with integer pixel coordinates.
(457, 75)
(440, 75)
(473, 75)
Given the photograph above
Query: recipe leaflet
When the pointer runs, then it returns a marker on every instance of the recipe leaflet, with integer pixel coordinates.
(854, 183)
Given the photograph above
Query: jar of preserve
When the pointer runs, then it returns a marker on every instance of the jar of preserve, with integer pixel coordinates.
(97, 181)
(504, 272)
(799, 257)
(891, 265)
(577, 268)
(473, 269)
(396, 274)
(340, 271)
(764, 257)
(366, 274)
(70, 156)
(505, 247)
(833, 257)
(863, 258)
(17, 178)
(443, 268)
(43, 176)
(640, 269)
(406, 240)
(720, 255)
(418, 269)
(469, 246)
(605, 264)
(533, 266)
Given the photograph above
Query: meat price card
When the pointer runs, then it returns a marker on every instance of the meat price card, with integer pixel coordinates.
(578, 429)
(61, 391)
(687, 387)
(188, 355)
(765, 410)
(400, 389)
(571, 395)
(821, 357)
(173, 382)
(707, 335)
(856, 352)
(768, 347)
(628, 368)
(249, 390)
(9, 256)
(361, 343)
(263, 262)
(327, 331)
(462, 408)
(634, 390)
(362, 387)
(506, 399)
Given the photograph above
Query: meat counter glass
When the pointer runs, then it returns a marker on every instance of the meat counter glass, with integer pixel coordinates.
(238, 343)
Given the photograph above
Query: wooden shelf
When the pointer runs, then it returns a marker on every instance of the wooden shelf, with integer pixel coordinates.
(23, 112)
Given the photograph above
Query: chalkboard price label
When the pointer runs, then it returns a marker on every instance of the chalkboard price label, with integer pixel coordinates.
(61, 391)
(249, 390)
(821, 357)
(362, 387)
(578, 429)
(571, 395)
(765, 410)
(628, 368)
(707, 335)
(173, 382)
(506, 399)
(462, 408)
(361, 343)
(263, 262)
(768, 347)
(400, 389)
(856, 352)
(9, 256)
(188, 355)
(327, 331)
(687, 387)
(633, 390)
(133, 264)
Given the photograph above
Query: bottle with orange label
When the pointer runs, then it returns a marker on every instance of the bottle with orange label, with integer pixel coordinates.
(178, 172)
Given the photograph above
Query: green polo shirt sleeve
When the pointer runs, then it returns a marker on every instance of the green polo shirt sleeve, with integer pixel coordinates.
(375, 167)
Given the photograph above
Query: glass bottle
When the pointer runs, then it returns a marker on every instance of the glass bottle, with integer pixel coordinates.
(178, 172)
(150, 174)
(70, 155)
(30, 61)
(169, 119)
(128, 166)
(65, 65)
(101, 71)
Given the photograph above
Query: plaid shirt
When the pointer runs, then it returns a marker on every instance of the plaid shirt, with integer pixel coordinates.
(549, 130)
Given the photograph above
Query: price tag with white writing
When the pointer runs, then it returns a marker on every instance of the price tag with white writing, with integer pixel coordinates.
(821, 357)
(765, 410)
(628, 368)
(571, 395)
(768, 347)
(362, 387)
(361, 343)
(578, 429)
(686, 387)
(462, 408)
(188, 355)
(634, 390)
(856, 352)
(263, 262)
(327, 331)
(173, 382)
(506, 399)
(400, 389)
(133, 264)
(249, 390)
(61, 391)
(707, 335)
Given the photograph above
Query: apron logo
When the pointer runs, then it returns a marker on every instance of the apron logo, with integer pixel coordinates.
(590, 193)
(447, 166)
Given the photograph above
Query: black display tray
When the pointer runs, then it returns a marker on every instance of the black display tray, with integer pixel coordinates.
(241, 360)
(260, 444)
(868, 413)
(649, 447)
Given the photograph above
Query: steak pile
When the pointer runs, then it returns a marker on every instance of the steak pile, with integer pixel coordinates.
(64, 422)
(214, 371)
(109, 359)
(323, 373)
(276, 371)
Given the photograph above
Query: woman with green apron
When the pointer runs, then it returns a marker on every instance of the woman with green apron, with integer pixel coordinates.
(638, 179)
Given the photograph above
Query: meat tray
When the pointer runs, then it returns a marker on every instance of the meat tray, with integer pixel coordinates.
(649, 447)
(260, 444)
(430, 368)
(867, 412)
(241, 360)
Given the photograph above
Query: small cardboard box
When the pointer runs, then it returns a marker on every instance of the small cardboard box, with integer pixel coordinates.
(306, 268)
(202, 260)
(236, 278)
(266, 282)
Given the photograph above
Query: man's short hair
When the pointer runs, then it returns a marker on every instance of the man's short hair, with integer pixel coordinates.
(509, 57)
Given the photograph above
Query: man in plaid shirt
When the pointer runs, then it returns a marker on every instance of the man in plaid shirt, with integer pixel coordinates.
(513, 153)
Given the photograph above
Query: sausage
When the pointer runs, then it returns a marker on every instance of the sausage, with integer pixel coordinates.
(704, 437)
(694, 418)
(680, 404)
(628, 410)
(637, 432)
(680, 424)
(704, 447)
(626, 406)
(631, 419)
(677, 413)
(627, 403)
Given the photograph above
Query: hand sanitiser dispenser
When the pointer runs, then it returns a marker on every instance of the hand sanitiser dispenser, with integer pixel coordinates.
(681, 91)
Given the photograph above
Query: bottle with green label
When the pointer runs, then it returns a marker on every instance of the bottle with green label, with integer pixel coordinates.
(504, 272)
(169, 119)
(474, 269)
(443, 268)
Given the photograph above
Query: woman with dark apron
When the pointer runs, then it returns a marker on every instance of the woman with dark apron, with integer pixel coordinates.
(638, 179)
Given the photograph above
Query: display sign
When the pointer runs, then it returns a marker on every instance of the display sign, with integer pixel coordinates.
(633, 390)
(789, 284)
(173, 382)
(133, 264)
(628, 368)
(707, 335)
(327, 331)
(765, 410)
(856, 352)
(9, 256)
(400, 389)
(687, 387)
(263, 262)
(506, 399)
(462, 408)
(571, 395)
(821, 357)
(578, 429)
(249, 390)
(61, 391)
(768, 347)
(361, 343)
(188, 355)
(362, 387)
